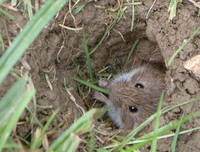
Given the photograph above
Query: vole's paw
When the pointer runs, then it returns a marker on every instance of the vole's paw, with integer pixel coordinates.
(103, 82)
(100, 96)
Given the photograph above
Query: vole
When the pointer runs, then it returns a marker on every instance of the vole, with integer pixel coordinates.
(133, 96)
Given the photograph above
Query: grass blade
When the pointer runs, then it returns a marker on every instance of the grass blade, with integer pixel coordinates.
(109, 28)
(133, 16)
(79, 8)
(26, 37)
(132, 50)
(13, 2)
(1, 1)
(11, 107)
(87, 55)
(172, 9)
(173, 125)
(70, 144)
(8, 15)
(69, 139)
(132, 134)
(89, 84)
(161, 131)
(102, 150)
(91, 142)
(156, 125)
(173, 146)
(161, 137)
(2, 47)
(28, 8)
(37, 142)
(185, 42)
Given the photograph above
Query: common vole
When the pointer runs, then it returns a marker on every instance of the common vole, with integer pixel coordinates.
(134, 95)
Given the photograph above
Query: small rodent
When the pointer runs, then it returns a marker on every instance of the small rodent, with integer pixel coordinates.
(133, 96)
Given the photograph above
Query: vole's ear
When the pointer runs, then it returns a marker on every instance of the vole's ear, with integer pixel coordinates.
(158, 65)
(103, 82)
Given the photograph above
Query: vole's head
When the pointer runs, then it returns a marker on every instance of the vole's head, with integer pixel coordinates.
(134, 95)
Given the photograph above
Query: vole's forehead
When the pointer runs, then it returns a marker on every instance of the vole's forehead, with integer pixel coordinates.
(146, 75)
(126, 77)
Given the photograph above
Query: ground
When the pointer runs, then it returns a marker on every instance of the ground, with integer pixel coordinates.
(57, 54)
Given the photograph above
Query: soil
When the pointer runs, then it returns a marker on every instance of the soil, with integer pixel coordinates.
(57, 54)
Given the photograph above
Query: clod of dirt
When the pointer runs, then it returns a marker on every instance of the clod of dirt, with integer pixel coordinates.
(191, 86)
(193, 65)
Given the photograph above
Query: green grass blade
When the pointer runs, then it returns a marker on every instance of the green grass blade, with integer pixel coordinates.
(26, 37)
(102, 150)
(11, 107)
(89, 84)
(109, 28)
(162, 137)
(38, 141)
(161, 131)
(132, 50)
(169, 108)
(11, 146)
(171, 126)
(172, 9)
(132, 134)
(91, 142)
(87, 55)
(2, 47)
(173, 146)
(68, 139)
(28, 8)
(133, 16)
(1, 1)
(14, 2)
(181, 133)
(70, 144)
(8, 15)
(79, 8)
(157, 122)
(185, 42)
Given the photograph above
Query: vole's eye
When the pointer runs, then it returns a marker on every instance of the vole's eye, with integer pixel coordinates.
(139, 85)
(133, 109)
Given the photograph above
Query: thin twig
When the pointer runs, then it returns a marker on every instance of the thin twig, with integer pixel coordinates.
(118, 32)
(9, 7)
(69, 11)
(73, 99)
(61, 48)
